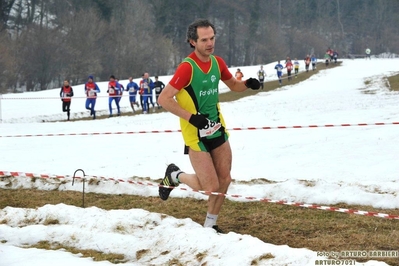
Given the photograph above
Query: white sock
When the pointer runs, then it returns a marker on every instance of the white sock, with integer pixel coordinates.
(210, 220)
(175, 176)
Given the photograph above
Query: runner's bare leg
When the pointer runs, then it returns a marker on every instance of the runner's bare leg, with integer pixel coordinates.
(212, 173)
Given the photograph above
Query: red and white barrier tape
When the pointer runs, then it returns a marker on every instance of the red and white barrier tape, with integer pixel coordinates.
(178, 130)
(283, 202)
(74, 97)
(90, 134)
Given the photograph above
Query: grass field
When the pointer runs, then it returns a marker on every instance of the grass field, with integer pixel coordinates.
(394, 82)
(272, 223)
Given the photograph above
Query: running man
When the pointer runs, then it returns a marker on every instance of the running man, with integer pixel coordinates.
(368, 52)
(289, 67)
(132, 88)
(296, 67)
(146, 86)
(122, 89)
(327, 59)
(113, 91)
(261, 76)
(239, 75)
(314, 62)
(66, 93)
(279, 67)
(307, 62)
(193, 96)
(158, 87)
(91, 90)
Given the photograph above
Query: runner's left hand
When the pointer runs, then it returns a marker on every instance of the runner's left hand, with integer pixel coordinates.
(252, 83)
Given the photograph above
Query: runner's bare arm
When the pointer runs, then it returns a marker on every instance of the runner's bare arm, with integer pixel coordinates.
(166, 100)
(235, 85)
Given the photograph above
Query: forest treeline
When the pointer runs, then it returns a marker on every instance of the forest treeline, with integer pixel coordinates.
(43, 42)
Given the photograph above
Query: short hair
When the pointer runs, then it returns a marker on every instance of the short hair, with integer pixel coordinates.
(192, 33)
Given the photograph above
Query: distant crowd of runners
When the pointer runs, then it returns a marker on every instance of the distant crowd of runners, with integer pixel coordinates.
(144, 90)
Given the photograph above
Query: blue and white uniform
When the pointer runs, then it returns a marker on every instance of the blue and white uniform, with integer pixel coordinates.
(132, 88)
(279, 67)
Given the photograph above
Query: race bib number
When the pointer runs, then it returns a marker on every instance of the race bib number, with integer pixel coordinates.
(157, 89)
(91, 93)
(210, 129)
(111, 91)
(131, 90)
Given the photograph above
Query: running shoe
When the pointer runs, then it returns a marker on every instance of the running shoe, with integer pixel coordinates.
(217, 229)
(167, 181)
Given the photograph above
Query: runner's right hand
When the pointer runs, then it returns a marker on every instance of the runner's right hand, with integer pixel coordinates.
(199, 121)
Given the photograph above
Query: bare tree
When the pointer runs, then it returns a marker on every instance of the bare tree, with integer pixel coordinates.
(134, 45)
(46, 41)
(82, 45)
(5, 9)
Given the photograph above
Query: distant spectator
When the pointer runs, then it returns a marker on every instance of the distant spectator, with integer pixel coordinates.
(368, 52)
(296, 67)
(261, 76)
(279, 67)
(289, 67)
(158, 87)
(313, 59)
(307, 62)
(91, 90)
(132, 88)
(239, 75)
(113, 92)
(66, 93)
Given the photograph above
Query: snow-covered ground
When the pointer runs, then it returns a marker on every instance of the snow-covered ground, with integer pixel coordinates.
(353, 164)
